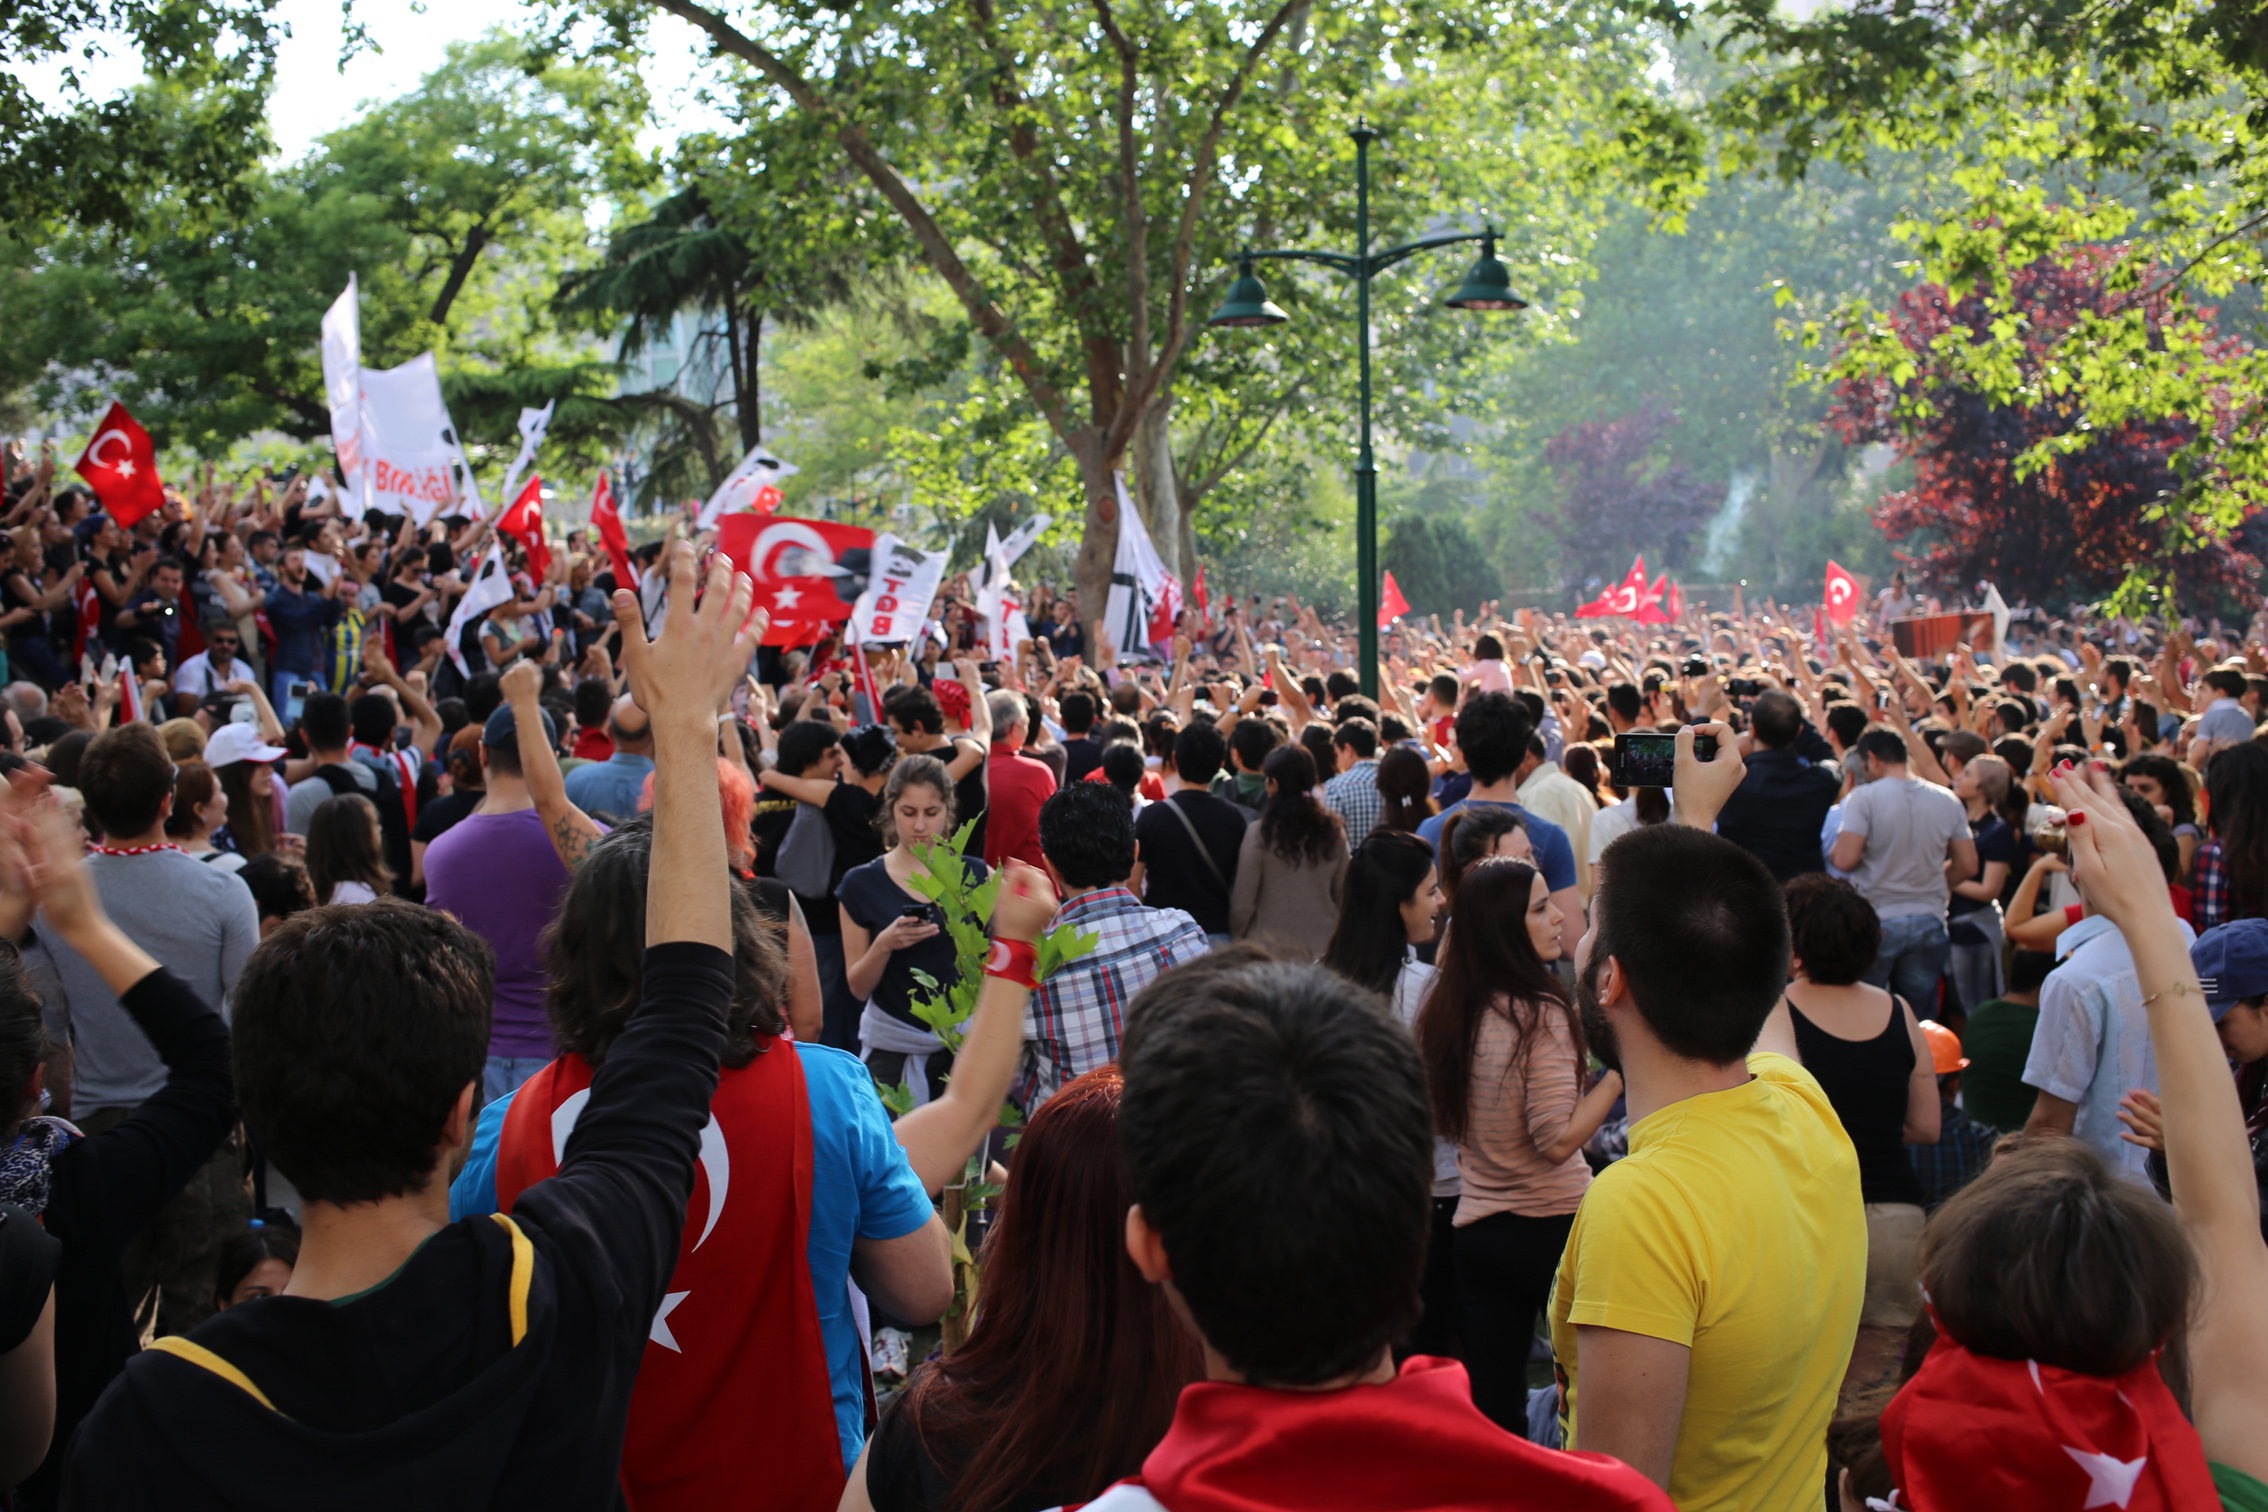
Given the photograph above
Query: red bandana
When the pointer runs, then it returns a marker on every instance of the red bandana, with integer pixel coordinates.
(133, 850)
(1973, 1432)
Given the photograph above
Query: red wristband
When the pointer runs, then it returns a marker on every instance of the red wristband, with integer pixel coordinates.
(1013, 961)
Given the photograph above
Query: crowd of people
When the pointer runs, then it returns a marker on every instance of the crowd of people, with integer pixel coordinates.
(489, 1059)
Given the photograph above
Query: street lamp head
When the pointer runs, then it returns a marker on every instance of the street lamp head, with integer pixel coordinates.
(1488, 286)
(1247, 303)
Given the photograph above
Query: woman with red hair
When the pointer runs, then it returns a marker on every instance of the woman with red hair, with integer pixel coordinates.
(1070, 1375)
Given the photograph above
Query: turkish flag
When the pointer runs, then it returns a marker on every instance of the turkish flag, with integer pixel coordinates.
(606, 519)
(808, 573)
(1650, 610)
(1391, 605)
(1675, 607)
(1842, 594)
(120, 464)
(523, 522)
(1198, 588)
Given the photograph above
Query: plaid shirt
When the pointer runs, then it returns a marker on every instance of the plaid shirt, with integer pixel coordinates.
(1072, 1024)
(1353, 795)
(1963, 1149)
(2209, 886)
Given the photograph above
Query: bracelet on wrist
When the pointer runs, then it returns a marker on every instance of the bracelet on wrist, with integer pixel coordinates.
(1014, 961)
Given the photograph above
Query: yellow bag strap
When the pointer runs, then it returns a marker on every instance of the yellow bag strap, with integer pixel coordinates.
(200, 1356)
(523, 1275)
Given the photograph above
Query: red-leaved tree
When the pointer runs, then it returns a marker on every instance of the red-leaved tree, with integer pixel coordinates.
(1617, 498)
(2069, 530)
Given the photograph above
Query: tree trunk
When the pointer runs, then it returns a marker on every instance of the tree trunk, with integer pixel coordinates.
(1098, 535)
(751, 406)
(1153, 484)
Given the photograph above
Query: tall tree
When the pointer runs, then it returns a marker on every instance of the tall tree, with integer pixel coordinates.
(2060, 128)
(1618, 495)
(206, 321)
(189, 135)
(2071, 527)
(1077, 175)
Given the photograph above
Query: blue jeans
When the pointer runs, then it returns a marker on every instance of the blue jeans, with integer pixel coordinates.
(504, 1073)
(1915, 948)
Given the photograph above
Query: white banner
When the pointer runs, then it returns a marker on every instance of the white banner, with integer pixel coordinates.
(342, 389)
(1142, 593)
(533, 423)
(900, 584)
(999, 612)
(758, 470)
(408, 442)
(490, 586)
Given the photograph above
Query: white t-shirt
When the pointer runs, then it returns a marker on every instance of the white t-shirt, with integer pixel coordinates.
(1908, 824)
(352, 892)
(1410, 988)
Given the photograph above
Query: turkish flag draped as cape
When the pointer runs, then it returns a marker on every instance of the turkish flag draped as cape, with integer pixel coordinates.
(1970, 1433)
(735, 1347)
(808, 573)
(120, 465)
(1412, 1444)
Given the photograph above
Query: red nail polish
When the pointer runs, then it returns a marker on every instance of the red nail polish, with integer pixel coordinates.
(2075, 819)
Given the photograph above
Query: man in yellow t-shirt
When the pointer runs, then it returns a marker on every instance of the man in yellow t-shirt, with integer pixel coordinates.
(1707, 1300)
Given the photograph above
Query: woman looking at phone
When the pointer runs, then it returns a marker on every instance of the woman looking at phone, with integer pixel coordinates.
(890, 931)
(1505, 1060)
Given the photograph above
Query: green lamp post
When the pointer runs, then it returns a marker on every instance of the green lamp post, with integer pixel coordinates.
(1486, 287)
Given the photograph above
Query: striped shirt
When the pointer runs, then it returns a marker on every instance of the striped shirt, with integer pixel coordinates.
(1073, 1023)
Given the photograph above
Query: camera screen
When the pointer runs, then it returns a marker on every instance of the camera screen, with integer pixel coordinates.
(1645, 760)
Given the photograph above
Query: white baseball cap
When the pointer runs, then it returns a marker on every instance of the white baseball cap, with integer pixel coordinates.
(238, 742)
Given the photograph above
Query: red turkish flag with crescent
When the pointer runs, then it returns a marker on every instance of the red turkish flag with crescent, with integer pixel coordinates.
(1391, 605)
(606, 519)
(120, 465)
(523, 522)
(1624, 599)
(1842, 594)
(808, 573)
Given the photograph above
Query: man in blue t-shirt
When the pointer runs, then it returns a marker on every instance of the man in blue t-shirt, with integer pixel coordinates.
(862, 1187)
(1492, 735)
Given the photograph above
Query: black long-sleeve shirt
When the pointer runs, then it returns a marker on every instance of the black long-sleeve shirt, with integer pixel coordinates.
(106, 1188)
(414, 1393)
(1780, 807)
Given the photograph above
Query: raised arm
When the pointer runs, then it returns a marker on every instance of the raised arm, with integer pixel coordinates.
(2208, 1159)
(425, 722)
(616, 1210)
(572, 831)
(939, 1136)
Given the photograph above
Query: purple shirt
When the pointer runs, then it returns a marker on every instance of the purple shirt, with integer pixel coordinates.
(499, 875)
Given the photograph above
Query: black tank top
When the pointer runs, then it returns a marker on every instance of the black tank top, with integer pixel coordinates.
(1866, 1080)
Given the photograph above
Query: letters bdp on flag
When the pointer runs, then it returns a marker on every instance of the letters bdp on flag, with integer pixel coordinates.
(120, 465)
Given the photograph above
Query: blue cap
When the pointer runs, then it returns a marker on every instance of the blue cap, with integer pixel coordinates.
(503, 729)
(2232, 964)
